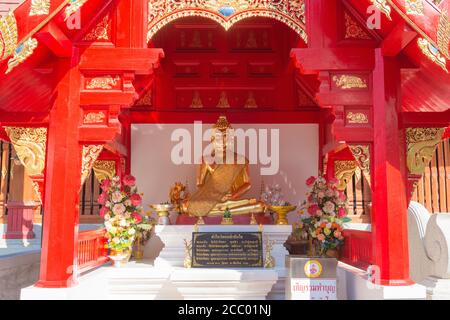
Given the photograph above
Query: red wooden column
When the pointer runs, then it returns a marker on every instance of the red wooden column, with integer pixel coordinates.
(389, 205)
(63, 174)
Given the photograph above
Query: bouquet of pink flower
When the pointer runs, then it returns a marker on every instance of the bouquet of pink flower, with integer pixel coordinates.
(324, 213)
(122, 211)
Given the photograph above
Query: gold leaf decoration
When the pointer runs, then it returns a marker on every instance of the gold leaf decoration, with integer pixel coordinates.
(89, 156)
(74, 6)
(94, 117)
(343, 171)
(39, 7)
(383, 6)
(8, 35)
(104, 82)
(226, 12)
(361, 152)
(100, 31)
(357, 117)
(22, 52)
(353, 30)
(346, 82)
(432, 53)
(443, 34)
(104, 169)
(421, 146)
(30, 147)
(414, 7)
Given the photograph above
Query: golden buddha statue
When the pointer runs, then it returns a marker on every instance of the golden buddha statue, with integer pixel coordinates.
(221, 182)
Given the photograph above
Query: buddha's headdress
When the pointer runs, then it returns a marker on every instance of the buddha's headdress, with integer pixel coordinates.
(222, 125)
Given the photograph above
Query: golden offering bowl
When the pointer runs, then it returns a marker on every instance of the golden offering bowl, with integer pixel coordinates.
(282, 212)
(163, 211)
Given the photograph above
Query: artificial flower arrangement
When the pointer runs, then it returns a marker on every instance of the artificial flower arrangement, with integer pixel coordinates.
(322, 216)
(123, 213)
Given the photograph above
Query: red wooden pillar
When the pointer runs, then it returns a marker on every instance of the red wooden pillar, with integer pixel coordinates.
(389, 206)
(62, 183)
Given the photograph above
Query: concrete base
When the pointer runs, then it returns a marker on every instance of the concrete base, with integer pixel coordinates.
(224, 284)
(437, 289)
(169, 241)
(353, 285)
(137, 281)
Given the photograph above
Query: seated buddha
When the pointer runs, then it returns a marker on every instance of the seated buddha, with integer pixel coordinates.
(222, 181)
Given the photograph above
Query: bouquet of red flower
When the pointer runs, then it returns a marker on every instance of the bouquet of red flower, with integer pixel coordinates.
(323, 214)
(122, 211)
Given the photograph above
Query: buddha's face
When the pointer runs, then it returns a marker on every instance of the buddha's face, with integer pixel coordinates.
(222, 141)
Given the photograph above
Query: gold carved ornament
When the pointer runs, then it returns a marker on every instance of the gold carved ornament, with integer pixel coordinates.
(89, 156)
(432, 53)
(357, 117)
(21, 53)
(104, 82)
(443, 34)
(94, 117)
(74, 6)
(428, 46)
(104, 169)
(353, 30)
(226, 12)
(39, 7)
(8, 35)
(361, 152)
(414, 7)
(343, 171)
(37, 190)
(421, 146)
(346, 82)
(30, 147)
(100, 31)
(383, 6)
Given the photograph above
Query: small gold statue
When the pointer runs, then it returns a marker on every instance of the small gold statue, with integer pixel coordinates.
(196, 101)
(269, 261)
(177, 194)
(223, 101)
(187, 254)
(253, 219)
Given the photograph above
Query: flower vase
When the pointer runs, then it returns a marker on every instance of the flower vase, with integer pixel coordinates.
(120, 257)
(138, 250)
(332, 253)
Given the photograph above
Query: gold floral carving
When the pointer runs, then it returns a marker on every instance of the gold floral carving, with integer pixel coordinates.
(290, 12)
(343, 171)
(443, 34)
(22, 52)
(357, 117)
(73, 7)
(414, 7)
(383, 6)
(94, 117)
(421, 146)
(100, 31)
(29, 144)
(353, 30)
(346, 82)
(361, 152)
(8, 35)
(196, 101)
(89, 156)
(37, 190)
(432, 53)
(105, 82)
(104, 169)
(39, 7)
(146, 100)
